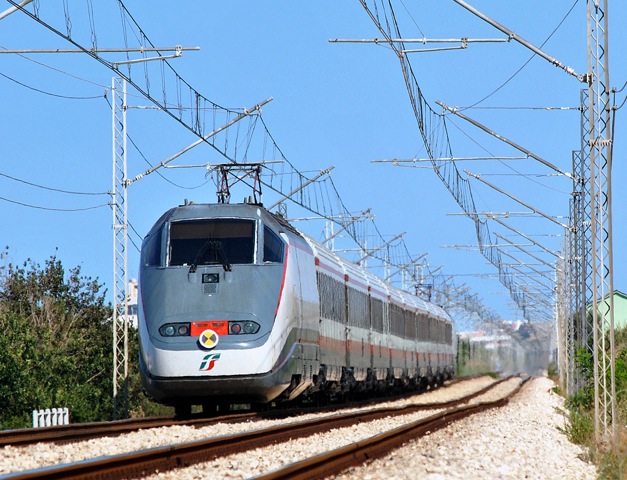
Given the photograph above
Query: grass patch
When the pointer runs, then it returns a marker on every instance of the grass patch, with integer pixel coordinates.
(580, 427)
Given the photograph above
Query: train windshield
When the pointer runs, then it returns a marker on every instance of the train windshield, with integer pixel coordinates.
(212, 242)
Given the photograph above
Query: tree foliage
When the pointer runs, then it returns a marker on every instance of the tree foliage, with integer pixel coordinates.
(56, 346)
(55, 350)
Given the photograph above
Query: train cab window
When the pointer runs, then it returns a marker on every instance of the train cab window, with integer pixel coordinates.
(212, 242)
(273, 247)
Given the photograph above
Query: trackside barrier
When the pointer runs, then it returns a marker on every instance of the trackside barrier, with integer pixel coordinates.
(51, 417)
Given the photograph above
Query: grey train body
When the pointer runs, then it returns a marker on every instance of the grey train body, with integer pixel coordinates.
(237, 306)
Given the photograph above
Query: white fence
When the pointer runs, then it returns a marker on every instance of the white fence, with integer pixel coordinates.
(51, 417)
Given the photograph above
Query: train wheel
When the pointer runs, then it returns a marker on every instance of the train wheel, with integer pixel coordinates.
(209, 408)
(183, 411)
(260, 407)
(322, 398)
(424, 384)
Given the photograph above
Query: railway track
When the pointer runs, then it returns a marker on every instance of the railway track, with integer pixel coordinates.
(338, 460)
(142, 463)
(64, 434)
(85, 431)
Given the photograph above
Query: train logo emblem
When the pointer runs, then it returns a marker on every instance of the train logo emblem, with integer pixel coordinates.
(209, 361)
(208, 338)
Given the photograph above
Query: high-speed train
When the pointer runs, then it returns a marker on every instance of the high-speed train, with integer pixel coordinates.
(237, 306)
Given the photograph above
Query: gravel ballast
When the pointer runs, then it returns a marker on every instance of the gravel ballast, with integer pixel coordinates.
(41, 455)
(521, 440)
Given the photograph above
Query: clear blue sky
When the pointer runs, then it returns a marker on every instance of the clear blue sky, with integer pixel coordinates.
(334, 104)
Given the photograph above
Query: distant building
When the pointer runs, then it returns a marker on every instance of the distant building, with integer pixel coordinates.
(620, 309)
(131, 310)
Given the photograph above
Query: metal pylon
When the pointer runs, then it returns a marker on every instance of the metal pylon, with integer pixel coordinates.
(120, 251)
(578, 329)
(563, 312)
(599, 144)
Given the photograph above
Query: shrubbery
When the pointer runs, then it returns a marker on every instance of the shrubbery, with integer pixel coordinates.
(580, 430)
(56, 345)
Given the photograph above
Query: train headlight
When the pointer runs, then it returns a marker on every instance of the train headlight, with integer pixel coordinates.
(249, 327)
(174, 330)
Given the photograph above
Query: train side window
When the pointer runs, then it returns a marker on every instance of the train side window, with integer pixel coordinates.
(332, 298)
(151, 250)
(376, 307)
(273, 247)
(358, 314)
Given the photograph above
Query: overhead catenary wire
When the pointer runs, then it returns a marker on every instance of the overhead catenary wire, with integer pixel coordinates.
(522, 107)
(69, 192)
(507, 165)
(195, 96)
(615, 91)
(313, 198)
(139, 237)
(141, 154)
(107, 88)
(195, 126)
(50, 67)
(432, 127)
(53, 209)
(58, 190)
(527, 62)
(67, 97)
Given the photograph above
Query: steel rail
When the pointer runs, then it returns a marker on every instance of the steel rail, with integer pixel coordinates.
(83, 431)
(358, 453)
(75, 432)
(145, 462)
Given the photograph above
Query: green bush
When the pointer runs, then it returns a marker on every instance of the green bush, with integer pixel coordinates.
(580, 428)
(611, 463)
(56, 346)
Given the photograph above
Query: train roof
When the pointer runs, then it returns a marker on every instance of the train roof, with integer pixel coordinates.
(194, 211)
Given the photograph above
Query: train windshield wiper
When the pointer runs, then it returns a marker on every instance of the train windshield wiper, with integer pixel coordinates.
(215, 247)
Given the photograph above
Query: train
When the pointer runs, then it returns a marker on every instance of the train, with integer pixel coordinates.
(237, 306)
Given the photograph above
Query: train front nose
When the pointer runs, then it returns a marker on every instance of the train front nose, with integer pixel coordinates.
(209, 312)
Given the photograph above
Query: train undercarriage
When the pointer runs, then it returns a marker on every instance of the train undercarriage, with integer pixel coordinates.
(320, 391)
